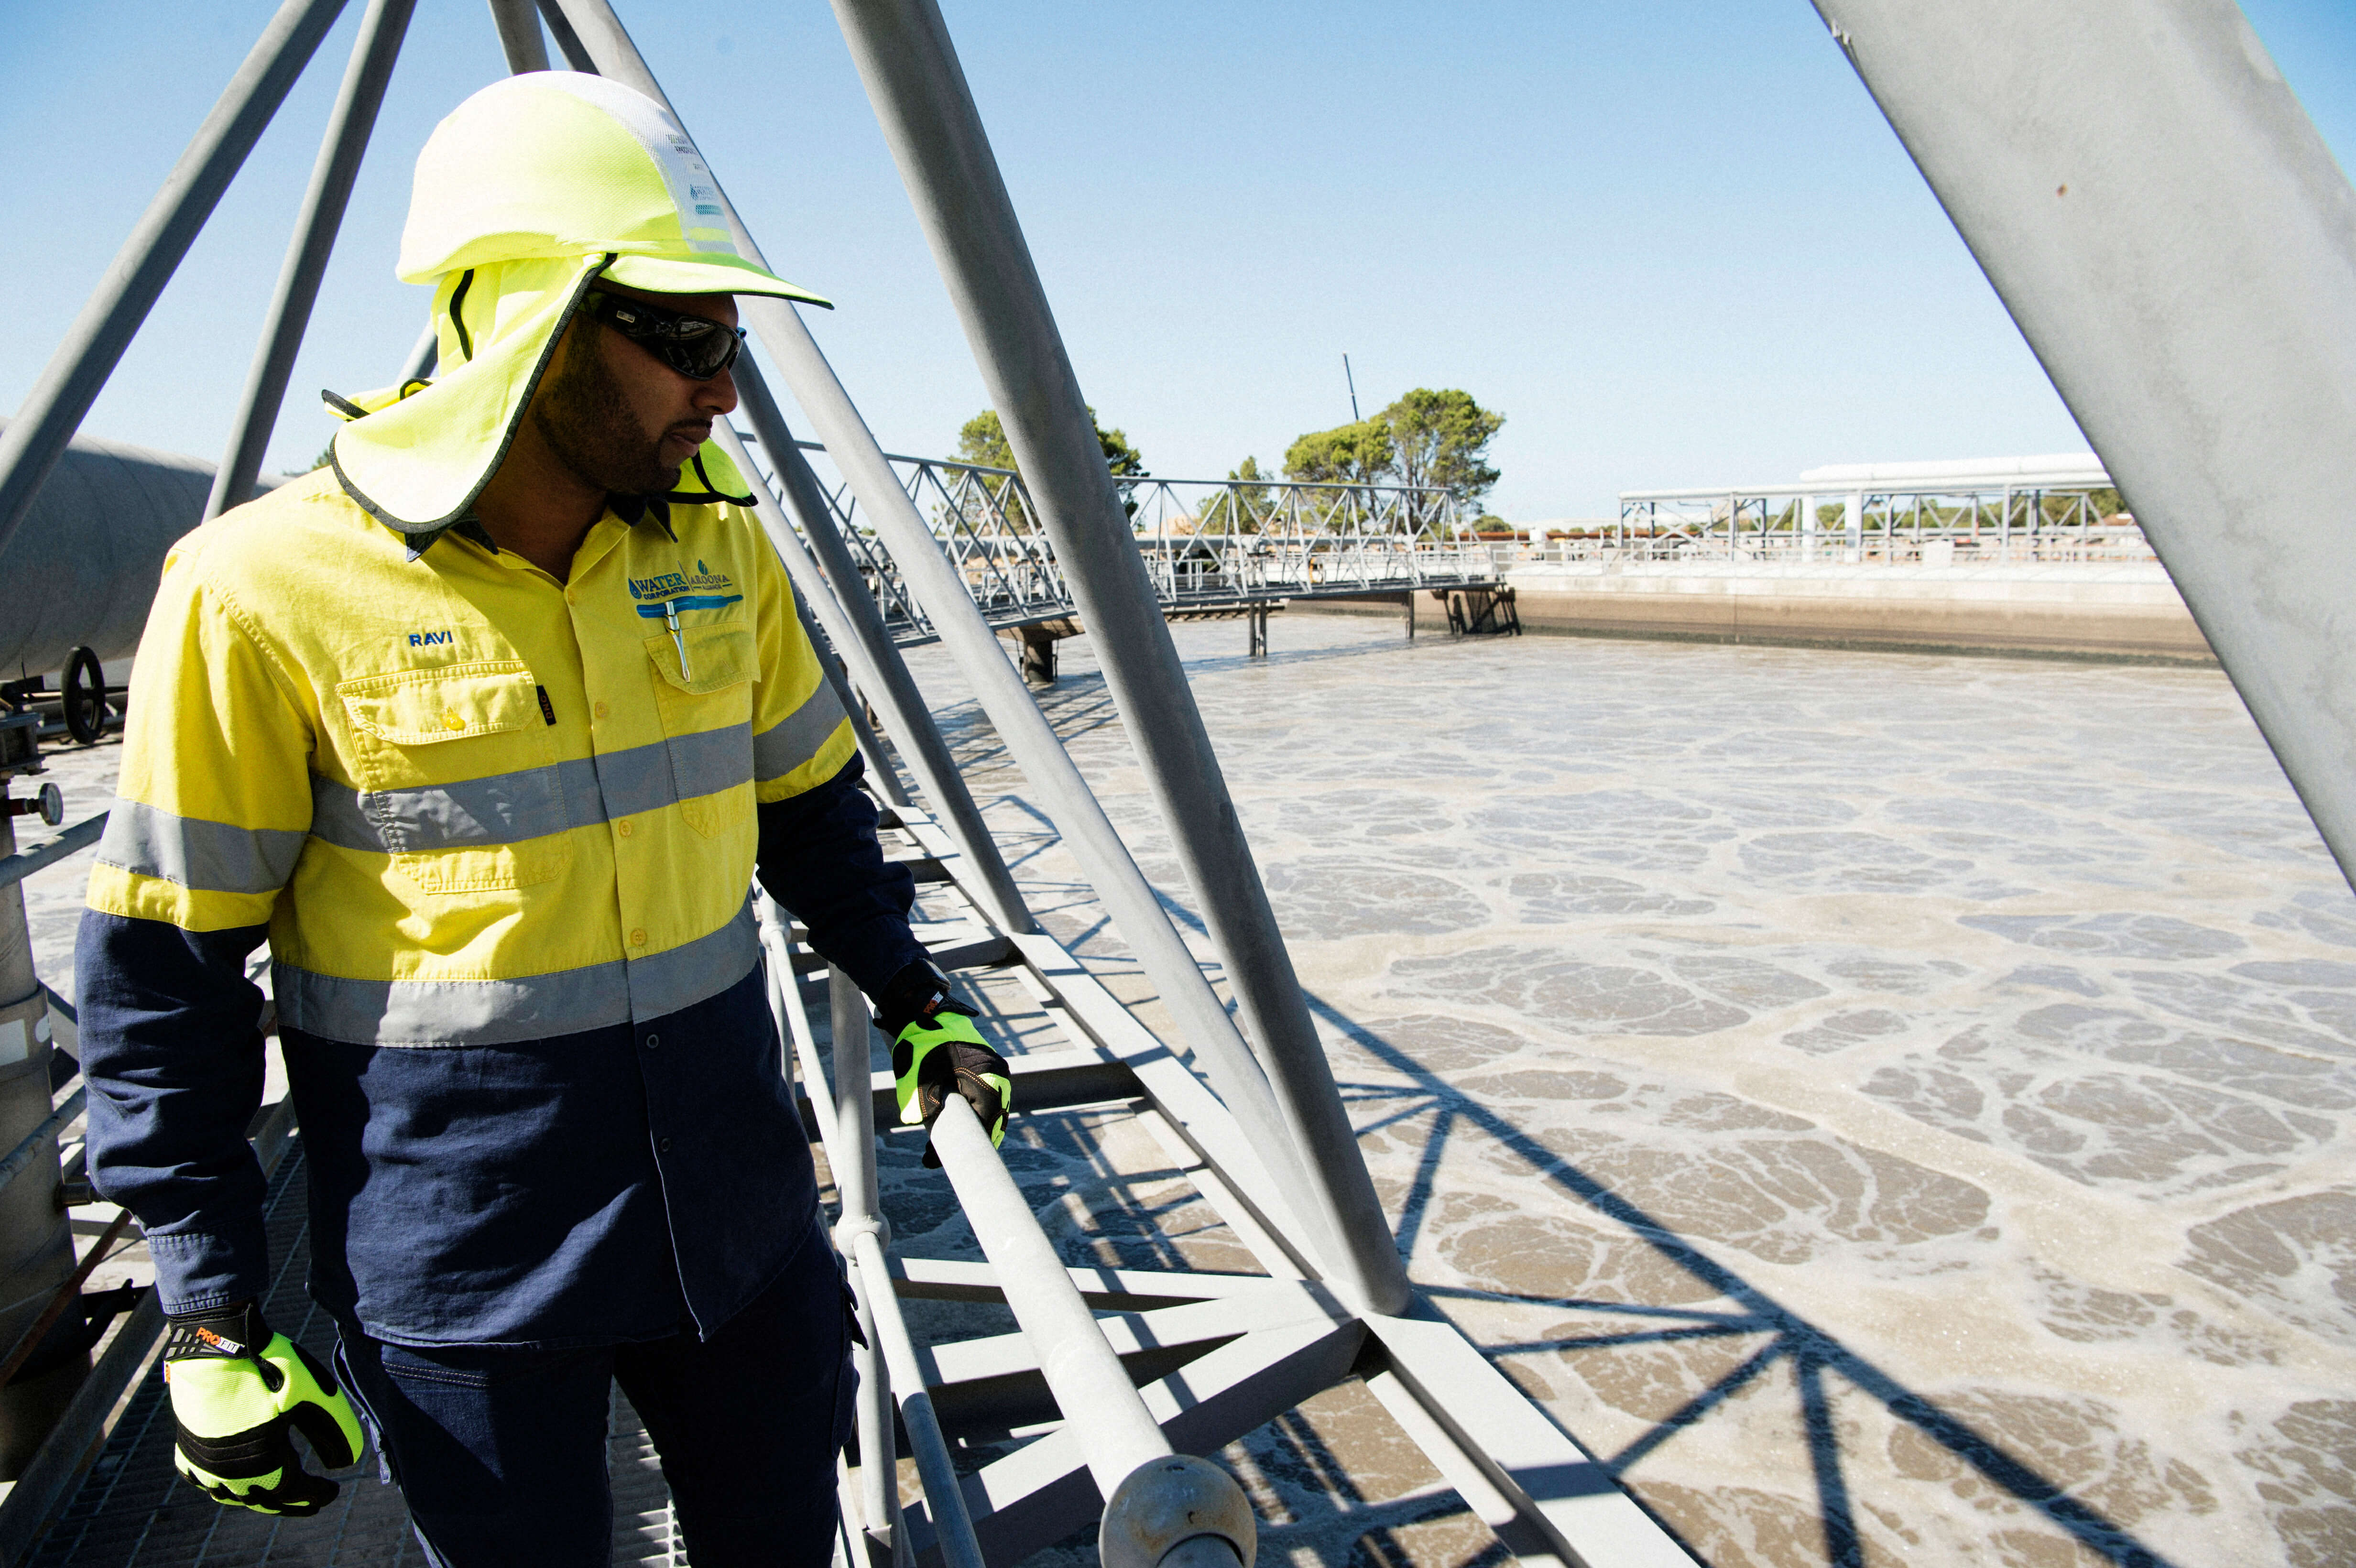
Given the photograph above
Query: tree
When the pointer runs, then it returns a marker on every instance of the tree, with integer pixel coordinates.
(982, 441)
(1360, 454)
(1239, 510)
(1442, 440)
(1438, 439)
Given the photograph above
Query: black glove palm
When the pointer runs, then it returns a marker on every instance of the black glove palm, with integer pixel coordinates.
(238, 1393)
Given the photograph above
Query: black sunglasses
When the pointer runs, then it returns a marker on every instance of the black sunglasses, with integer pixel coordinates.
(696, 346)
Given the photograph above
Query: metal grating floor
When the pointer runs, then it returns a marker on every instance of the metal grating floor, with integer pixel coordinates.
(133, 1511)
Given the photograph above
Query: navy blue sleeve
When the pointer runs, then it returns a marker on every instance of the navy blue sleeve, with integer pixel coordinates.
(171, 1053)
(819, 858)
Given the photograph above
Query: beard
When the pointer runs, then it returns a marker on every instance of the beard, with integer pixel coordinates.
(589, 428)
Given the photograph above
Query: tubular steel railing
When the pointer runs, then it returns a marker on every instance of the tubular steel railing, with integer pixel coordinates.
(1207, 543)
(1952, 527)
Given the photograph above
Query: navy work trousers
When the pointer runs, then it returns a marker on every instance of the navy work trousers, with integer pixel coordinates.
(500, 1453)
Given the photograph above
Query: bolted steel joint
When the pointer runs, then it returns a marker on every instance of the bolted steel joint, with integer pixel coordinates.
(1169, 1510)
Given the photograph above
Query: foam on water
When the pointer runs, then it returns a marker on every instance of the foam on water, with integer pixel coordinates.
(1866, 1097)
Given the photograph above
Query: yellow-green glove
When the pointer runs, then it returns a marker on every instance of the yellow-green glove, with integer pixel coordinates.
(941, 1051)
(237, 1390)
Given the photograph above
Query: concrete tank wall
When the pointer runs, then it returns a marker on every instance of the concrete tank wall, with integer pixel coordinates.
(82, 569)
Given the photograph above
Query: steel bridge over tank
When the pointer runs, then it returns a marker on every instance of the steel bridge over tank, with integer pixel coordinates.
(1211, 548)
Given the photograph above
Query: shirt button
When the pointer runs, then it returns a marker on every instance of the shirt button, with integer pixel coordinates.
(638, 938)
(600, 710)
(573, 596)
(662, 1146)
(452, 721)
(623, 827)
(654, 1042)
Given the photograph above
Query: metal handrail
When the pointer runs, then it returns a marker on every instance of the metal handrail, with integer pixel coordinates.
(21, 1158)
(15, 869)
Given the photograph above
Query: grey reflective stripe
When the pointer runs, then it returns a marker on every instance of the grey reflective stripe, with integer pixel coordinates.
(666, 982)
(429, 1013)
(636, 780)
(209, 857)
(508, 809)
(504, 808)
(712, 760)
(795, 739)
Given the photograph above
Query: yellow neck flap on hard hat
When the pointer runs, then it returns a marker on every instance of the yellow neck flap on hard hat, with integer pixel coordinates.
(525, 195)
(416, 456)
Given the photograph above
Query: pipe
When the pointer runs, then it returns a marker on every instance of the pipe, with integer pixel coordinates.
(37, 1252)
(1100, 1406)
(35, 439)
(880, 770)
(422, 356)
(30, 1339)
(2178, 247)
(910, 68)
(1134, 908)
(15, 869)
(382, 26)
(568, 42)
(519, 40)
(854, 1105)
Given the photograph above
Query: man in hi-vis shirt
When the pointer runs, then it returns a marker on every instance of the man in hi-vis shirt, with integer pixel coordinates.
(487, 727)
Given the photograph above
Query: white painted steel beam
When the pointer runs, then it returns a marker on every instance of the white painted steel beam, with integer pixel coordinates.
(1574, 1502)
(2178, 247)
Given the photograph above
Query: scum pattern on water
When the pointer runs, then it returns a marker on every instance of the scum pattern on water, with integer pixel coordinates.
(1894, 1108)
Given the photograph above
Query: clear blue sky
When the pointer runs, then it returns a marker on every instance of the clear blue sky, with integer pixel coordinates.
(1674, 244)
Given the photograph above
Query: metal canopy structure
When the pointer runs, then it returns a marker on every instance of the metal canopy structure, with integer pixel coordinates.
(2213, 366)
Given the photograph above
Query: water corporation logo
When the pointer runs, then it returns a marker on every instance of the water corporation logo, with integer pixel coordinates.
(671, 585)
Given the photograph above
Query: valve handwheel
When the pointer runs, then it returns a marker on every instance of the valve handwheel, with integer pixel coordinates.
(84, 688)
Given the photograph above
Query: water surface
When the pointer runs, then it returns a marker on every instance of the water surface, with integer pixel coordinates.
(1864, 1097)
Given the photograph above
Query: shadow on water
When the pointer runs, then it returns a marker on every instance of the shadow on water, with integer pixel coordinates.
(1812, 1350)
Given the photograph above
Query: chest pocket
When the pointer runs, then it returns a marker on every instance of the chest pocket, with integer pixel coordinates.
(459, 766)
(707, 719)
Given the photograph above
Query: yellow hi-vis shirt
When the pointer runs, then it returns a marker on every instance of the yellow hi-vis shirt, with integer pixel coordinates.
(474, 806)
